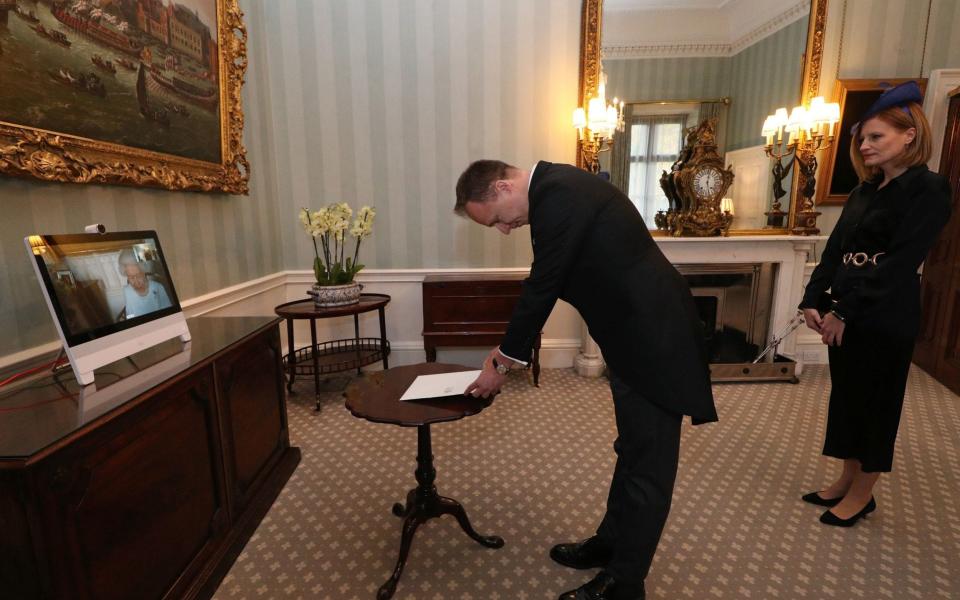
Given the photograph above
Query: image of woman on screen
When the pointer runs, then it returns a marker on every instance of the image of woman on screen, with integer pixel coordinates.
(142, 294)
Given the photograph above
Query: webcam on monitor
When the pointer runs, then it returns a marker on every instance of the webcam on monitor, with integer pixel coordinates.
(110, 294)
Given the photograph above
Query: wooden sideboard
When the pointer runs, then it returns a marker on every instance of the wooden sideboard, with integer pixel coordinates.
(471, 310)
(150, 486)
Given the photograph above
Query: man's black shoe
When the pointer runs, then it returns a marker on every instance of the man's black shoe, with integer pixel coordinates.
(603, 587)
(588, 554)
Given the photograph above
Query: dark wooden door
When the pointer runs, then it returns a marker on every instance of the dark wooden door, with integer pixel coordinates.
(938, 346)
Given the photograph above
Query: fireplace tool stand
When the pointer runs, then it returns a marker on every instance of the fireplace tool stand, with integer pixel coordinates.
(775, 368)
(797, 321)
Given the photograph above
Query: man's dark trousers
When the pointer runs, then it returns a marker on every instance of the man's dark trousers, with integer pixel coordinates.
(648, 450)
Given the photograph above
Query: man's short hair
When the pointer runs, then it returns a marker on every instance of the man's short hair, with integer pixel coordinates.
(476, 182)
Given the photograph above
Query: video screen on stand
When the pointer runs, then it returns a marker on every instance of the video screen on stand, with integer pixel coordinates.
(99, 284)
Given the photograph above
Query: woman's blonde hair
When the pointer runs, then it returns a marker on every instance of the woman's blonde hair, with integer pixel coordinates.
(916, 152)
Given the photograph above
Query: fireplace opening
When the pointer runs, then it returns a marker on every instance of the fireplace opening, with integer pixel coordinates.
(734, 302)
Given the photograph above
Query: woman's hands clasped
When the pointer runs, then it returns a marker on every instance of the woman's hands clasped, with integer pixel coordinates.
(829, 326)
(813, 319)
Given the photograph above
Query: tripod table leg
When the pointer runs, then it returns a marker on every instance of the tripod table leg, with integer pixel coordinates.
(449, 506)
(410, 524)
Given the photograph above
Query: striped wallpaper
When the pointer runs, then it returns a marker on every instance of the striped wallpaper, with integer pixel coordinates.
(681, 78)
(764, 77)
(885, 38)
(380, 102)
(211, 241)
(384, 102)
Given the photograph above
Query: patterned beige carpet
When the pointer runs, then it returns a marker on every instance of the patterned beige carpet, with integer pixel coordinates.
(534, 468)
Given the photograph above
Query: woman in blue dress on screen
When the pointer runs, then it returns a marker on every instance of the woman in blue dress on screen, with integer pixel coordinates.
(141, 294)
(872, 316)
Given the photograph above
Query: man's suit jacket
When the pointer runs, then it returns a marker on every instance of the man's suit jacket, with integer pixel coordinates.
(592, 249)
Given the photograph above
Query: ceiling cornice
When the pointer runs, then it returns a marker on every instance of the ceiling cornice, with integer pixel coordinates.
(665, 50)
(709, 49)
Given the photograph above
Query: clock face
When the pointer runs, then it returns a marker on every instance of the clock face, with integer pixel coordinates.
(707, 182)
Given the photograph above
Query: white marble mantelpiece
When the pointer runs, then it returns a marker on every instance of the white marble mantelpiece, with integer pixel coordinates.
(789, 252)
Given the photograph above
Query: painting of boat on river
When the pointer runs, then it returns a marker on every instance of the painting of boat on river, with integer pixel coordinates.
(73, 67)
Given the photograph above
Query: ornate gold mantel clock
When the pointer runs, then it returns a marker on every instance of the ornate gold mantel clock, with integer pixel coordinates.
(695, 185)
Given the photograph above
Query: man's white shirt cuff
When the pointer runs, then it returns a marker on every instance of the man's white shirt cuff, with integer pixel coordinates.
(521, 362)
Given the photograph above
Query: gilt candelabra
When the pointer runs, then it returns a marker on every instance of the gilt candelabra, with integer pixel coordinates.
(596, 125)
(797, 139)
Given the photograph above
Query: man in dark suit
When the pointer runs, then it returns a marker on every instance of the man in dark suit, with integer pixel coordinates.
(592, 249)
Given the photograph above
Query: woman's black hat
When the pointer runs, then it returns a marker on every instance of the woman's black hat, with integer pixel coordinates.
(898, 95)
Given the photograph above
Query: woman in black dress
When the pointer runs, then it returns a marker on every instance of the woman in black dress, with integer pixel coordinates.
(870, 265)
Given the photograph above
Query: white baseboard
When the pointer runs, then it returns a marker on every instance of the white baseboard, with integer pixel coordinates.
(242, 296)
(404, 316)
(554, 354)
(254, 297)
(811, 350)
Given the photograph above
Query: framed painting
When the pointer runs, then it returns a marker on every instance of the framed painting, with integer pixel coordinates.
(838, 177)
(130, 92)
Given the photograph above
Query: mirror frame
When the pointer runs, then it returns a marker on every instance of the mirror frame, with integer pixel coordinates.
(590, 22)
(590, 27)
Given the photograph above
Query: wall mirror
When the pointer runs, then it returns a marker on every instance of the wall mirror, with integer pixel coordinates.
(675, 63)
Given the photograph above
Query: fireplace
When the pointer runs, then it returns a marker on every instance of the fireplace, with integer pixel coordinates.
(785, 257)
(735, 303)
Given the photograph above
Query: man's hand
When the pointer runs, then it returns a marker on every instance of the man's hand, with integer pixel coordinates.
(813, 319)
(832, 330)
(489, 382)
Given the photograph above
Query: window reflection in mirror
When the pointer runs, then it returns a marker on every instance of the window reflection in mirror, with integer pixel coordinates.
(655, 143)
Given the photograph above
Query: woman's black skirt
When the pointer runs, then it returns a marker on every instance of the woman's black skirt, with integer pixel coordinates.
(868, 374)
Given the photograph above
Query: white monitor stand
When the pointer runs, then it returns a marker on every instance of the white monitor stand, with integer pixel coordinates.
(94, 402)
(85, 358)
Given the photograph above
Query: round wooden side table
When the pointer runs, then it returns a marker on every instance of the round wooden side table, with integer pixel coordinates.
(377, 398)
(336, 355)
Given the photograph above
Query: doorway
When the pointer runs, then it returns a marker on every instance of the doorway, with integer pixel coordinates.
(938, 345)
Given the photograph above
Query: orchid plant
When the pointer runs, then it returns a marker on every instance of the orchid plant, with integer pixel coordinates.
(330, 225)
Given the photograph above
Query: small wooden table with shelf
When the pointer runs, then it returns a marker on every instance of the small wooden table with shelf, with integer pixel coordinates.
(336, 355)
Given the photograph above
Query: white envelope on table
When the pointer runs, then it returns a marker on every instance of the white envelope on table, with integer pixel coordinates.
(439, 385)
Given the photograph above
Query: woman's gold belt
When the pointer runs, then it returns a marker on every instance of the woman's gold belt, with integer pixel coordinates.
(861, 259)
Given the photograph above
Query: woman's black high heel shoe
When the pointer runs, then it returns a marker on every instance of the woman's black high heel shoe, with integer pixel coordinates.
(815, 498)
(828, 518)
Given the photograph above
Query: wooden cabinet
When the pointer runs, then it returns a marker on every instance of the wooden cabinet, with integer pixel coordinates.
(254, 431)
(156, 497)
(471, 310)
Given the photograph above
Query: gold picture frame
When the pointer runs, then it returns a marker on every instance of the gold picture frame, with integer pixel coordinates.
(29, 151)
